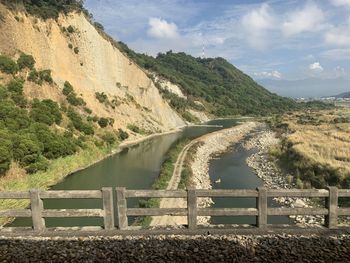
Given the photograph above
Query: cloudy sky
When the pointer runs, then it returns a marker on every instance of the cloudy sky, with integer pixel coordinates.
(279, 39)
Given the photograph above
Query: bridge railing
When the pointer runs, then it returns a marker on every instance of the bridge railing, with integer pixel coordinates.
(38, 213)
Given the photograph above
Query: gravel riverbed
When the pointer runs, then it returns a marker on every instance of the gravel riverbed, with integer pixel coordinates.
(230, 248)
(274, 178)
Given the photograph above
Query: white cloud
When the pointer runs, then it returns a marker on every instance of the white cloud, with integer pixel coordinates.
(309, 18)
(338, 36)
(316, 67)
(341, 2)
(269, 74)
(161, 29)
(336, 54)
(255, 23)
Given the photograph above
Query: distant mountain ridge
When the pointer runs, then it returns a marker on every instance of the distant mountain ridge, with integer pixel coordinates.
(311, 87)
(343, 95)
(218, 85)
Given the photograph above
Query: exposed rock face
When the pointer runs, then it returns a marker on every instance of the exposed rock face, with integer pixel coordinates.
(96, 66)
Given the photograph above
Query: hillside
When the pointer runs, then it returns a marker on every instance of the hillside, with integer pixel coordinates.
(74, 51)
(218, 85)
(343, 95)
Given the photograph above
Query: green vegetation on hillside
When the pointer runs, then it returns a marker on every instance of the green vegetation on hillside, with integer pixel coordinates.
(223, 89)
(47, 8)
(31, 131)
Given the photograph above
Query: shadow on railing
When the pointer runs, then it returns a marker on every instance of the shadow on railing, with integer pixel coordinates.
(36, 211)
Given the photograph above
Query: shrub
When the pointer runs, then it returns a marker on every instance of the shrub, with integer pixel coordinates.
(40, 165)
(70, 29)
(7, 65)
(46, 111)
(15, 86)
(76, 50)
(87, 110)
(74, 100)
(78, 122)
(134, 128)
(33, 76)
(122, 135)
(25, 61)
(67, 89)
(99, 26)
(101, 97)
(5, 158)
(103, 122)
(26, 149)
(45, 75)
(70, 46)
(108, 138)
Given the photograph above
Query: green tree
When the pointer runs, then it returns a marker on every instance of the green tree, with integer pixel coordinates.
(25, 61)
(7, 65)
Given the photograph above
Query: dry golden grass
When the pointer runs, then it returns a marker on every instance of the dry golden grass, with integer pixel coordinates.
(317, 137)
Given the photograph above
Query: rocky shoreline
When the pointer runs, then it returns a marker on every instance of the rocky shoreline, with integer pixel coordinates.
(266, 169)
(214, 144)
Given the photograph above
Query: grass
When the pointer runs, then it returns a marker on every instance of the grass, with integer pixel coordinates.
(58, 169)
(316, 147)
(161, 183)
(186, 174)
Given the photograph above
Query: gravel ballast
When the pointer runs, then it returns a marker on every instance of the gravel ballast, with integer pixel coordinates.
(230, 248)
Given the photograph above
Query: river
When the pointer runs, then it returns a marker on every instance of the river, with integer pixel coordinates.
(137, 167)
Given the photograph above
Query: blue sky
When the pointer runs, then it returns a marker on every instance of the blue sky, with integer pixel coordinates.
(280, 39)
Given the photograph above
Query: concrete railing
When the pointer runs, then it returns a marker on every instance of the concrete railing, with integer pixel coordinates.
(36, 211)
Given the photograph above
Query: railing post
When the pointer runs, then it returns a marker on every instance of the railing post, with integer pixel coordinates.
(332, 205)
(108, 209)
(121, 205)
(261, 205)
(192, 208)
(36, 206)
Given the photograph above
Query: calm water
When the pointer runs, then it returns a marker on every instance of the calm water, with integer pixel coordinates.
(138, 166)
(135, 167)
(234, 173)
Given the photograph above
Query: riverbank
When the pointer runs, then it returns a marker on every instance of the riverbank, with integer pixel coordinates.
(266, 168)
(210, 144)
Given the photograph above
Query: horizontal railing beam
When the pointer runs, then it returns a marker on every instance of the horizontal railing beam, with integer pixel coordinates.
(156, 193)
(297, 193)
(227, 212)
(14, 195)
(86, 194)
(156, 211)
(72, 213)
(296, 211)
(343, 192)
(226, 193)
(343, 211)
(16, 213)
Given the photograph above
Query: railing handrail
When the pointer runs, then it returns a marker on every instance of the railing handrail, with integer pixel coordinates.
(36, 211)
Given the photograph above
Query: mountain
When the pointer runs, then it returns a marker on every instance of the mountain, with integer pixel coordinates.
(215, 83)
(311, 87)
(343, 95)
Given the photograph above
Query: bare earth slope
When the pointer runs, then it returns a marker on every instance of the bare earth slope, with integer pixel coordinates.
(97, 67)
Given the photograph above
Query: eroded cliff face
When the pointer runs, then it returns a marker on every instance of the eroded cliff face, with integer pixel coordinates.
(91, 64)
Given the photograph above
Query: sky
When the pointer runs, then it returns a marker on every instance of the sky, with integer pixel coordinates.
(276, 39)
